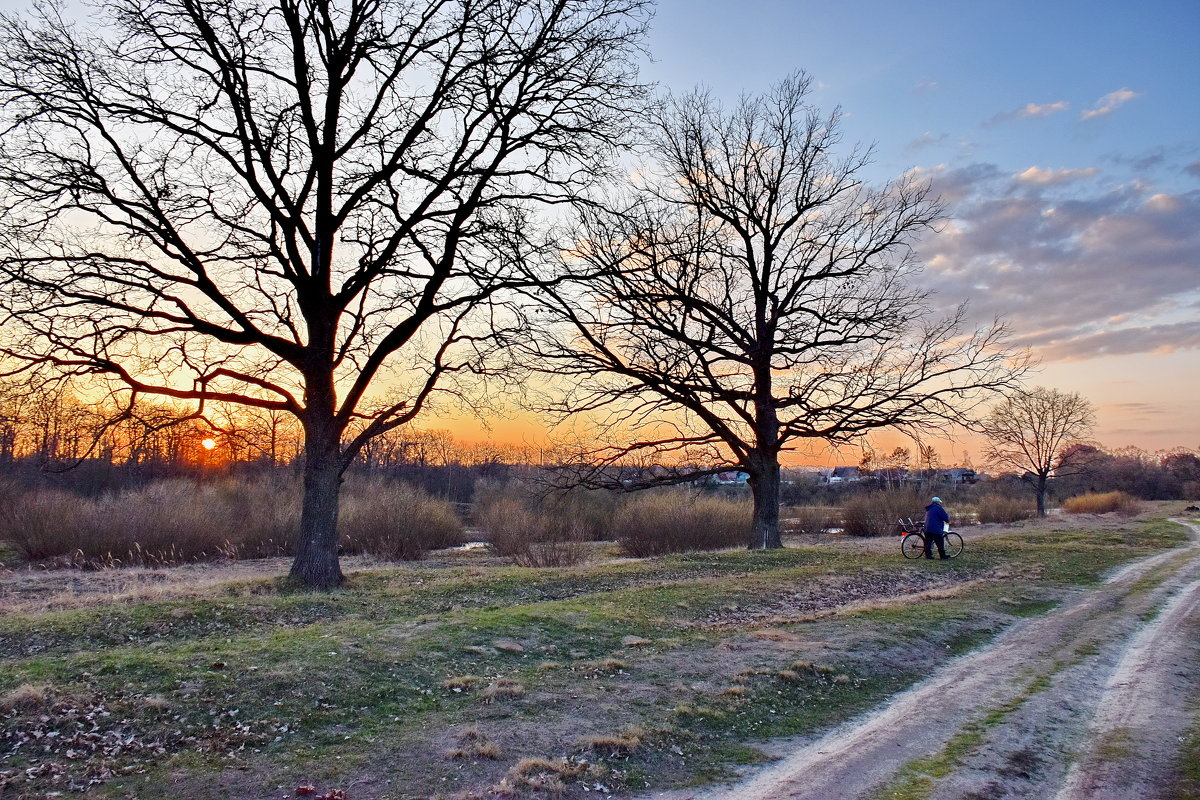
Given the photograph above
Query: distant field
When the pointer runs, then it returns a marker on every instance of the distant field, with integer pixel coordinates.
(462, 676)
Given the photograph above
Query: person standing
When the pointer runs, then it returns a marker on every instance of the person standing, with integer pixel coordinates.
(937, 522)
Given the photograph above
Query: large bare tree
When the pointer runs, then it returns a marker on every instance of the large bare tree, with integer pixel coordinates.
(754, 294)
(285, 203)
(1031, 432)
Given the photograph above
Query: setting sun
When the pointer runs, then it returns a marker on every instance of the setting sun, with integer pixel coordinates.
(209, 444)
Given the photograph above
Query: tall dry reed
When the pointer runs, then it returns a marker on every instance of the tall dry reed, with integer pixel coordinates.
(531, 536)
(395, 521)
(878, 513)
(1101, 503)
(679, 521)
(1000, 508)
(180, 521)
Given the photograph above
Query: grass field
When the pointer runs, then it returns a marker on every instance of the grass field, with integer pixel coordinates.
(465, 678)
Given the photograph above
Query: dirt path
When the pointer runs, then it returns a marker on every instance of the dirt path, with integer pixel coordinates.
(1086, 702)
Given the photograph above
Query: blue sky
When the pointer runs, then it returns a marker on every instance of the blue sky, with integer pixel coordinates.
(1064, 138)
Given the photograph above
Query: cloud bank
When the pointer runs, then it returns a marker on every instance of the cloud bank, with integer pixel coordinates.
(1079, 271)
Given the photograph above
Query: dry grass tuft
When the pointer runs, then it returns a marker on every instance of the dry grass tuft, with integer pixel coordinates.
(26, 697)
(503, 689)
(1102, 504)
(156, 702)
(542, 774)
(461, 683)
(612, 665)
(474, 744)
(395, 521)
(549, 531)
(734, 691)
(615, 746)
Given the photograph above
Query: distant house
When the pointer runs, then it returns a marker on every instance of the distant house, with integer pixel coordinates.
(845, 475)
(730, 478)
(960, 475)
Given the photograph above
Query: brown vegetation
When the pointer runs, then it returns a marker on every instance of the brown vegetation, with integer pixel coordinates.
(877, 514)
(531, 535)
(1001, 508)
(1101, 503)
(676, 522)
(180, 521)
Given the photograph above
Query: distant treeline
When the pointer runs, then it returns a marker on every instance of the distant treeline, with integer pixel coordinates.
(52, 438)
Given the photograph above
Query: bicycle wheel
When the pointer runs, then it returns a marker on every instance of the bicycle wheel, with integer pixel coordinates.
(913, 545)
(954, 545)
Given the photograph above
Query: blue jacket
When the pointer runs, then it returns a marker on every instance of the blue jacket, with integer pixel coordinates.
(935, 518)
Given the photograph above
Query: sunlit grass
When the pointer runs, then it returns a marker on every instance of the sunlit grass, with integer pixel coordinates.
(348, 680)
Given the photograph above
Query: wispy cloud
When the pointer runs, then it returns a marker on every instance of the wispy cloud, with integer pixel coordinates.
(1030, 111)
(1049, 177)
(925, 87)
(1142, 409)
(1109, 103)
(926, 139)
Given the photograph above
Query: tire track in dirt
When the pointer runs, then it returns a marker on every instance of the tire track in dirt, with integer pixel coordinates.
(1141, 709)
(1067, 662)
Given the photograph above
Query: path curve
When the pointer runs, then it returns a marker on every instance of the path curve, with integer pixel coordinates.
(857, 758)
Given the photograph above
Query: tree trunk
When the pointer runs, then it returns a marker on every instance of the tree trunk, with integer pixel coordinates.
(764, 485)
(1041, 495)
(316, 563)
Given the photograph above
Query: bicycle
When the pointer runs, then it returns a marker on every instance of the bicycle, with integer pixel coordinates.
(912, 541)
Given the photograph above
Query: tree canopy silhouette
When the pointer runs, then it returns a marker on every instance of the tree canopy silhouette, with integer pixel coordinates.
(1033, 432)
(287, 203)
(754, 293)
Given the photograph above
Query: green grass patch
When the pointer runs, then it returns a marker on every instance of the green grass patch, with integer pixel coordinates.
(1187, 783)
(260, 684)
(917, 779)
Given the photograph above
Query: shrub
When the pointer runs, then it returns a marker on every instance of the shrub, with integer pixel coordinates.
(177, 521)
(578, 513)
(999, 508)
(168, 522)
(41, 524)
(877, 513)
(395, 521)
(1101, 503)
(529, 537)
(677, 522)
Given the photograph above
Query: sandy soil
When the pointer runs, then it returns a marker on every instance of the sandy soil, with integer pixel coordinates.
(1088, 701)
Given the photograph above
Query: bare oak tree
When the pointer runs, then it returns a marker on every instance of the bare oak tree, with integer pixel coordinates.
(753, 294)
(1031, 432)
(285, 203)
